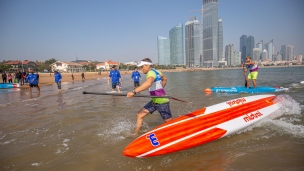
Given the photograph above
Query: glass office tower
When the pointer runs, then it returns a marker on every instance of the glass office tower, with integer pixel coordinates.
(243, 40)
(229, 55)
(192, 43)
(289, 53)
(269, 47)
(283, 52)
(249, 46)
(210, 33)
(163, 48)
(176, 37)
(260, 46)
(220, 39)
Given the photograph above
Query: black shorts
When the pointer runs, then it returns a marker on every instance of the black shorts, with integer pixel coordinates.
(163, 109)
(136, 84)
(114, 85)
(33, 85)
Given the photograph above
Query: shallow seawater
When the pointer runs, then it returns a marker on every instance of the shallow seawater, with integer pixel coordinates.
(75, 131)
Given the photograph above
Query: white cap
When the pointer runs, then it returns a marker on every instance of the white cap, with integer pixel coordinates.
(144, 63)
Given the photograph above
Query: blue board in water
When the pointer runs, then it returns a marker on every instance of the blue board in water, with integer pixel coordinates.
(8, 85)
(242, 89)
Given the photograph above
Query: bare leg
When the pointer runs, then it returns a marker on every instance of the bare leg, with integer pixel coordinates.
(38, 88)
(254, 83)
(140, 118)
(248, 83)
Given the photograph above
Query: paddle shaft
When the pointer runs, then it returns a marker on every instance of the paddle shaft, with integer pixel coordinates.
(121, 94)
(245, 76)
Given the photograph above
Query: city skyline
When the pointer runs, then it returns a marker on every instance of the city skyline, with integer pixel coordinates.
(126, 31)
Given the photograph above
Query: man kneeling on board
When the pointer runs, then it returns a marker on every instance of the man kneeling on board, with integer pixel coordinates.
(155, 81)
(32, 79)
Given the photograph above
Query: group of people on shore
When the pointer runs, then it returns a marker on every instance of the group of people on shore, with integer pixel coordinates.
(15, 77)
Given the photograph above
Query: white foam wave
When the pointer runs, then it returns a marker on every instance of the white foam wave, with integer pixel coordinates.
(286, 120)
(119, 130)
(7, 142)
(64, 147)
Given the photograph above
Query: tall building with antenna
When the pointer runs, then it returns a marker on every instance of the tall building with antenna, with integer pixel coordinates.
(211, 33)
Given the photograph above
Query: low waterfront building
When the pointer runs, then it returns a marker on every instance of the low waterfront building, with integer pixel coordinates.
(63, 66)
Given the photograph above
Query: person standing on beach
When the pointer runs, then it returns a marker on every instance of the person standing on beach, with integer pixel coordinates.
(135, 77)
(82, 76)
(253, 68)
(32, 79)
(19, 77)
(72, 78)
(155, 81)
(115, 79)
(58, 78)
(4, 76)
(10, 78)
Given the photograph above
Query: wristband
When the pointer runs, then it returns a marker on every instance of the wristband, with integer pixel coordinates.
(133, 91)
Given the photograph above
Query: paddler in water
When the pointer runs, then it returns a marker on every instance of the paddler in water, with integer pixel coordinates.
(253, 68)
(155, 81)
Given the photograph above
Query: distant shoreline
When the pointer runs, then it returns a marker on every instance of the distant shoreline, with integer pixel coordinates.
(210, 69)
(47, 79)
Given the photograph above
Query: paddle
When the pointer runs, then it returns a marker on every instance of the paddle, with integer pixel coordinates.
(244, 75)
(122, 94)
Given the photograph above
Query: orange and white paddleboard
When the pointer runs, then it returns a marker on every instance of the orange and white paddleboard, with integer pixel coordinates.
(202, 126)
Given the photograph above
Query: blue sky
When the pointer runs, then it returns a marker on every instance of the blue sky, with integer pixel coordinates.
(127, 30)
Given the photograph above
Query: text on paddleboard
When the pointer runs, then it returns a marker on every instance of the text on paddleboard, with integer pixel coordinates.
(236, 101)
(252, 116)
(153, 139)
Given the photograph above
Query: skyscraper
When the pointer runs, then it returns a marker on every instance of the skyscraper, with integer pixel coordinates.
(229, 55)
(260, 46)
(177, 45)
(192, 43)
(243, 40)
(238, 56)
(269, 47)
(289, 53)
(210, 33)
(220, 39)
(264, 55)
(249, 46)
(283, 52)
(163, 48)
(256, 54)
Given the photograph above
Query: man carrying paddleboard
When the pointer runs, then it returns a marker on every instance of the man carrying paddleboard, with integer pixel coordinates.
(155, 81)
(253, 68)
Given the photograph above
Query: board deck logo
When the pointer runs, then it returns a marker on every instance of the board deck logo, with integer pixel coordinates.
(236, 101)
(153, 139)
(252, 116)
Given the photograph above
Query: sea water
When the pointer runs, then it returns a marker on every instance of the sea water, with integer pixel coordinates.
(74, 131)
